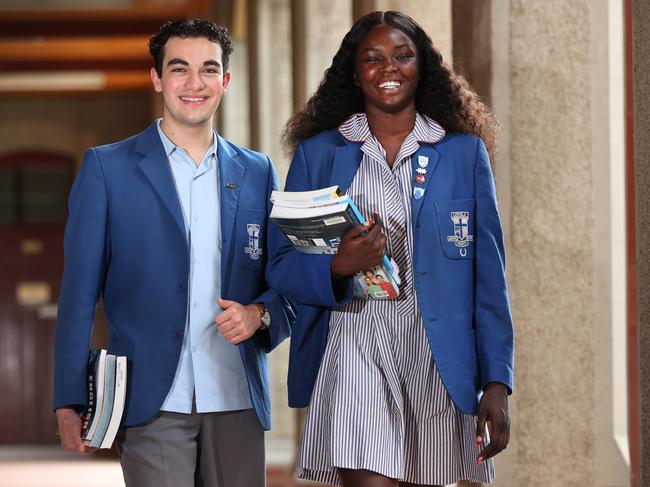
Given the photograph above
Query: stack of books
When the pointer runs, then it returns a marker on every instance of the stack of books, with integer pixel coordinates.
(316, 221)
(106, 398)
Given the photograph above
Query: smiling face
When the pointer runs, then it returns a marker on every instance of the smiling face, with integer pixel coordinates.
(387, 70)
(192, 82)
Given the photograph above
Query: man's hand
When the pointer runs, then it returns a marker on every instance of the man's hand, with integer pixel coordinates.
(238, 322)
(361, 248)
(493, 410)
(70, 431)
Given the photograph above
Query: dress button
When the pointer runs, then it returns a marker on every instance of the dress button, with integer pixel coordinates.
(196, 217)
(195, 304)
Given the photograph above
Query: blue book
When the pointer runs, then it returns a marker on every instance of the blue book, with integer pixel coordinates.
(315, 223)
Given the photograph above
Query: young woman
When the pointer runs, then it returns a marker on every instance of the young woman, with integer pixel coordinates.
(400, 390)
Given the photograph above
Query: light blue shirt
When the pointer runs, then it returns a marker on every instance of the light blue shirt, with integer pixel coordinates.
(210, 367)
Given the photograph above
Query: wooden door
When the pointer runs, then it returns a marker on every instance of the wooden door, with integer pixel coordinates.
(33, 194)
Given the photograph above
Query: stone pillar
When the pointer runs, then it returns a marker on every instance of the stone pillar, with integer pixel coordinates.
(641, 126)
(270, 92)
(564, 153)
(433, 15)
(318, 29)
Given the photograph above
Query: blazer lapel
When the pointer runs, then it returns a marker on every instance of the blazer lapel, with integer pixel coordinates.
(432, 156)
(231, 179)
(346, 163)
(155, 166)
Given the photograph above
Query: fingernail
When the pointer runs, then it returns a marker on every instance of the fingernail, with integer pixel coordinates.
(479, 460)
(80, 448)
(479, 440)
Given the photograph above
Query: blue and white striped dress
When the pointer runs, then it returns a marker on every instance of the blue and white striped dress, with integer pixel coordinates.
(379, 403)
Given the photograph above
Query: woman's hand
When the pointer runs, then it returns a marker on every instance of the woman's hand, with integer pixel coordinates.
(493, 410)
(361, 248)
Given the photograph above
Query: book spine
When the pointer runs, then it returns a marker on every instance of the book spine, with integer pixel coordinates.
(107, 405)
(100, 372)
(118, 403)
(356, 216)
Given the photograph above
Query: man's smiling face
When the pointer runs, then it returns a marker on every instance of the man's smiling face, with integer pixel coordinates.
(192, 81)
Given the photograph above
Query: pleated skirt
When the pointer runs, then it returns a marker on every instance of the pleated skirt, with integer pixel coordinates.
(379, 404)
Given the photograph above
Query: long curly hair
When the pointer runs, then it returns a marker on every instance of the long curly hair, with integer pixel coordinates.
(442, 94)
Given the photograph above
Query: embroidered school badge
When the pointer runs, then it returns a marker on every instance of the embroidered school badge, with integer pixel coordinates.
(253, 250)
(461, 237)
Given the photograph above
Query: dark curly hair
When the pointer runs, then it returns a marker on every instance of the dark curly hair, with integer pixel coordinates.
(442, 94)
(185, 28)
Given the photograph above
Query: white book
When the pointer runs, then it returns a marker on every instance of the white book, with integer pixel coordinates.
(107, 406)
(322, 194)
(118, 402)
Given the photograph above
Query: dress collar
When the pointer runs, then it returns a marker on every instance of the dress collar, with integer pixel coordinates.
(355, 129)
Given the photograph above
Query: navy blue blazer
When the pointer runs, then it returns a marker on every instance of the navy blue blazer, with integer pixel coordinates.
(125, 242)
(460, 286)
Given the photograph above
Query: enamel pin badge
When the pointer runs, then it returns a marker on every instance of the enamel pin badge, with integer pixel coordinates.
(423, 161)
(461, 237)
(253, 250)
(418, 192)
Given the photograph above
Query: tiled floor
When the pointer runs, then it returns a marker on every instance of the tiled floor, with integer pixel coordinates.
(28, 466)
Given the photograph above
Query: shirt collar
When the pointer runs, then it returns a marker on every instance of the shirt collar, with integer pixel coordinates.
(355, 129)
(170, 147)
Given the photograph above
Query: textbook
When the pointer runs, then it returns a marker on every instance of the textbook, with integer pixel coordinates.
(106, 398)
(315, 223)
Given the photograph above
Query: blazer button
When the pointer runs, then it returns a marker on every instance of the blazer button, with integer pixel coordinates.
(178, 334)
(180, 289)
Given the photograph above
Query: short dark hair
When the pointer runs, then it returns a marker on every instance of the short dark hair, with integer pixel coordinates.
(185, 28)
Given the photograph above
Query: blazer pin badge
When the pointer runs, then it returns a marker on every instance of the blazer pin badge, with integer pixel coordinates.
(419, 178)
(420, 170)
(423, 161)
(418, 193)
(231, 185)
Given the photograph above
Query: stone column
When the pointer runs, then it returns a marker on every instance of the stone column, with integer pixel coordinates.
(641, 126)
(565, 150)
(270, 92)
(433, 15)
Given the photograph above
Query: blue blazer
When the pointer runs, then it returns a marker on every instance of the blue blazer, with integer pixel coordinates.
(461, 290)
(125, 242)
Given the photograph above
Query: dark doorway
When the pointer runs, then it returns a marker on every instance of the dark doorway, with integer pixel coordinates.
(33, 193)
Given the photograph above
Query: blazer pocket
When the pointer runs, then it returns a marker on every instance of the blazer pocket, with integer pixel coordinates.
(456, 224)
(250, 229)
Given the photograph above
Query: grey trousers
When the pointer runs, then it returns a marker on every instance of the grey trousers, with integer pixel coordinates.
(224, 449)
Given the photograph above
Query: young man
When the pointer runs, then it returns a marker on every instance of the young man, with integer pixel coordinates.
(169, 228)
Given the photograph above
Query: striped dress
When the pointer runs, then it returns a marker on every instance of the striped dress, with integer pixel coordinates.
(379, 403)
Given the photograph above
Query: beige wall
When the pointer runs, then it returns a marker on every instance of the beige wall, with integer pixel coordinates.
(70, 124)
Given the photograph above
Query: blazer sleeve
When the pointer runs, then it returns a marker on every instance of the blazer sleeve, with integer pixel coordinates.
(303, 278)
(493, 321)
(85, 261)
(281, 311)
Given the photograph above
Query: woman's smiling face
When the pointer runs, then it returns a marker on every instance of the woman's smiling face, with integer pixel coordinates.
(387, 70)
